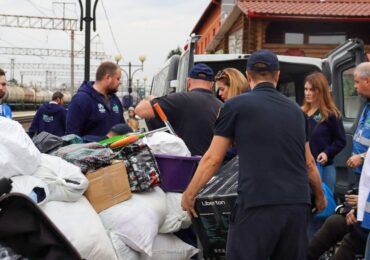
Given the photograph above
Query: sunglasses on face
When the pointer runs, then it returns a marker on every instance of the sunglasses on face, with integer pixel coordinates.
(221, 75)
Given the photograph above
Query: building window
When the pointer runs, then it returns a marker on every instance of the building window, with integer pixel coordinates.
(326, 39)
(236, 41)
(294, 38)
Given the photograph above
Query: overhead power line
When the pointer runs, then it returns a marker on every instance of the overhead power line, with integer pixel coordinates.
(110, 28)
(37, 8)
(49, 52)
(45, 66)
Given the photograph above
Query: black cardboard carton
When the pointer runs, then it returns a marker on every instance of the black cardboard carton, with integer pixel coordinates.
(213, 206)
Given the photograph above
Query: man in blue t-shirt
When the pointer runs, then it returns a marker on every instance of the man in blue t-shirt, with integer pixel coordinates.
(50, 117)
(5, 110)
(269, 220)
(361, 139)
(95, 108)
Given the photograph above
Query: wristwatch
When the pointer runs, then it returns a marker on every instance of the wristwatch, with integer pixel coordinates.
(363, 155)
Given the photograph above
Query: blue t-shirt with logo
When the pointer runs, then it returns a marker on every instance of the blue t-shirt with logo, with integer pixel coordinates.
(361, 139)
(5, 111)
(90, 115)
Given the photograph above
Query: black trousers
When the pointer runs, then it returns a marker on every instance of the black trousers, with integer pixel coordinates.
(270, 232)
(352, 238)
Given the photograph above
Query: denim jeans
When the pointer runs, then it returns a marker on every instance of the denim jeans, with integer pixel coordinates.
(329, 176)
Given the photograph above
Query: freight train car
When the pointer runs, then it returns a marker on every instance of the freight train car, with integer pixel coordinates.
(21, 98)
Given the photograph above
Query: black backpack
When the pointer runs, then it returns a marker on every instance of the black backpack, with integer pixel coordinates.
(26, 230)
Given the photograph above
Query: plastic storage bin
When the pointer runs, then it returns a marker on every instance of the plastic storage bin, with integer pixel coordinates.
(176, 171)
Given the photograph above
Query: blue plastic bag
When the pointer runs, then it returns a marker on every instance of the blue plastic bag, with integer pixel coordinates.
(330, 208)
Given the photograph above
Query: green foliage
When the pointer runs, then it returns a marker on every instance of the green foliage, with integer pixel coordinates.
(174, 52)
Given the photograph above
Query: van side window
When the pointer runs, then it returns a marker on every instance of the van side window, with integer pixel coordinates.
(352, 100)
(288, 89)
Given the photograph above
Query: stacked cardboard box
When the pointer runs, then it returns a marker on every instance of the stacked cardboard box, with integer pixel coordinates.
(108, 186)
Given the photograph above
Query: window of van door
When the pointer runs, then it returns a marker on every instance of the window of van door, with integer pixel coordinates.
(352, 100)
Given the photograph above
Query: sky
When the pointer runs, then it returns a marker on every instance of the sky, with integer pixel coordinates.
(140, 27)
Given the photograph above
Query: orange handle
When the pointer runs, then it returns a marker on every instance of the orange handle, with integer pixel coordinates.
(125, 141)
(160, 112)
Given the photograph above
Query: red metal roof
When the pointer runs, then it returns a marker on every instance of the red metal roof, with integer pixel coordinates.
(323, 8)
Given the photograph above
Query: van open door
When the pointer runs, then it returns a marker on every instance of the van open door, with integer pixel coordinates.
(186, 63)
(338, 67)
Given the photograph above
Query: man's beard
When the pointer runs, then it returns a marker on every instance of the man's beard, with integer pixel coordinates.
(2, 94)
(111, 91)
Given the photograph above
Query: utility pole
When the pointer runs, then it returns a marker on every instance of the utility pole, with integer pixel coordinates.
(48, 23)
(12, 69)
(88, 19)
(72, 46)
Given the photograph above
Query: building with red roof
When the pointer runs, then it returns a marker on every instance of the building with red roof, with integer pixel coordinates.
(292, 27)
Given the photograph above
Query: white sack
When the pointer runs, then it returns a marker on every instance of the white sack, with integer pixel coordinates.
(25, 184)
(170, 247)
(176, 218)
(364, 187)
(19, 156)
(123, 252)
(165, 143)
(81, 225)
(137, 220)
(65, 180)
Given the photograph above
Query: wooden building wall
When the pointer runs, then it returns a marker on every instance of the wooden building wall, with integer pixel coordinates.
(254, 38)
(209, 29)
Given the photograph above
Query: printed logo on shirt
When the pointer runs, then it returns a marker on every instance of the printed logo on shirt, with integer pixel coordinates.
(101, 108)
(47, 118)
(317, 117)
(115, 108)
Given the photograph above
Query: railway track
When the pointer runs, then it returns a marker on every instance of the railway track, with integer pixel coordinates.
(24, 118)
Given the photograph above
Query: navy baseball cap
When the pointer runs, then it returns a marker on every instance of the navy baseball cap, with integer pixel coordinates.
(121, 129)
(263, 60)
(201, 71)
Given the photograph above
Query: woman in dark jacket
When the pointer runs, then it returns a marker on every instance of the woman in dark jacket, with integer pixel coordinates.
(327, 136)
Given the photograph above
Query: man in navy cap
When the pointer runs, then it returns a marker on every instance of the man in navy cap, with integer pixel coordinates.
(269, 220)
(191, 114)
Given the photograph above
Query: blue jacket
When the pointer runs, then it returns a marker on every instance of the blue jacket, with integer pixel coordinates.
(51, 118)
(361, 139)
(89, 115)
(5, 110)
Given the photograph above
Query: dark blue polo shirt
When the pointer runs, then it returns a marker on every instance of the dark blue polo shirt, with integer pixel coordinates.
(270, 133)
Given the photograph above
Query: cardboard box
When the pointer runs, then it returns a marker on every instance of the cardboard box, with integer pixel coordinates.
(212, 223)
(108, 186)
(213, 206)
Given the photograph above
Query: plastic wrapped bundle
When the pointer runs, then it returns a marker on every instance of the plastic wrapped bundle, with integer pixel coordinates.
(90, 156)
(213, 205)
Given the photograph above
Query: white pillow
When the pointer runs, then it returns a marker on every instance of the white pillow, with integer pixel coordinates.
(137, 220)
(176, 218)
(81, 225)
(123, 252)
(170, 247)
(165, 143)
